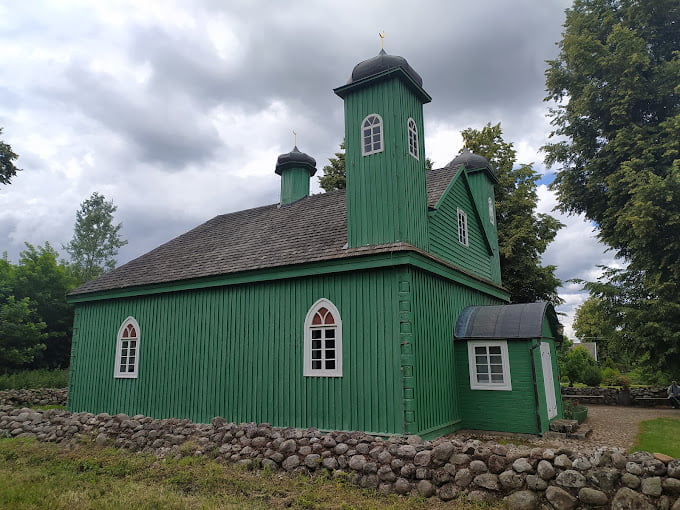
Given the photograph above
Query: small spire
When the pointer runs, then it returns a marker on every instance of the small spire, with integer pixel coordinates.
(382, 39)
(294, 138)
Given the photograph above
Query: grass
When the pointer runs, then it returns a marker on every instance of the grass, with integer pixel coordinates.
(32, 379)
(661, 435)
(37, 475)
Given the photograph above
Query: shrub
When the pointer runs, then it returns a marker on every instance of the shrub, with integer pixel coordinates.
(32, 379)
(592, 375)
(611, 376)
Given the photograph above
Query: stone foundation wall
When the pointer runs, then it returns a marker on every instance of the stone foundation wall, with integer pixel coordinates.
(646, 396)
(443, 468)
(31, 398)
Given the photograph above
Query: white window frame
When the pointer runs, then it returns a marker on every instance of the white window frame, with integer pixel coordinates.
(120, 354)
(475, 384)
(308, 371)
(462, 227)
(413, 147)
(372, 126)
(492, 212)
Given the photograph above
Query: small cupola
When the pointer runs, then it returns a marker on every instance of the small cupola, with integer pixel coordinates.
(471, 161)
(295, 169)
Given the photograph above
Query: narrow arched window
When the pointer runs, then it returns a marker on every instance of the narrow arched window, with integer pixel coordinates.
(323, 341)
(413, 138)
(372, 135)
(492, 212)
(127, 349)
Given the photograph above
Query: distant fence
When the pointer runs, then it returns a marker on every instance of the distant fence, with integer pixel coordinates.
(641, 397)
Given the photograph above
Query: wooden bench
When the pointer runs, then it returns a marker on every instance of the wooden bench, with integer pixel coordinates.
(653, 400)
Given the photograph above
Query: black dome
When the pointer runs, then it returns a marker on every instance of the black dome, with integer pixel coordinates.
(295, 158)
(381, 63)
(470, 160)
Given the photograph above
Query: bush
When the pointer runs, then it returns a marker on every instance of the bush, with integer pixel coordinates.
(592, 376)
(611, 376)
(32, 379)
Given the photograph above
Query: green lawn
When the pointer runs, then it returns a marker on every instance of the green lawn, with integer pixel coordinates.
(661, 435)
(42, 475)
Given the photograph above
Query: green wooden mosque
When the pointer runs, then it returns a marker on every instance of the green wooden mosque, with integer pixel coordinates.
(377, 308)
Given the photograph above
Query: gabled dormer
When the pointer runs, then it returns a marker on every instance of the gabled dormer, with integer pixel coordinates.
(385, 155)
(462, 221)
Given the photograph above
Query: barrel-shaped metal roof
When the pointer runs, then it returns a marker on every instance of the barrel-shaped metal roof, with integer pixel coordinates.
(504, 321)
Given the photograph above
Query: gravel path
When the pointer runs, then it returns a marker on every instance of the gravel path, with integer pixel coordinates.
(618, 426)
(612, 426)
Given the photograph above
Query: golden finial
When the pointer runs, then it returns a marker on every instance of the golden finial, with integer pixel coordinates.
(382, 39)
(294, 138)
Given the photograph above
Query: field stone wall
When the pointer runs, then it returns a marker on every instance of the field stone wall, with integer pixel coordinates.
(39, 397)
(443, 468)
(642, 396)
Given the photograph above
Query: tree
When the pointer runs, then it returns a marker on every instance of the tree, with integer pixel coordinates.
(333, 177)
(596, 320)
(577, 363)
(20, 333)
(643, 325)
(334, 174)
(96, 239)
(45, 281)
(617, 121)
(7, 167)
(523, 235)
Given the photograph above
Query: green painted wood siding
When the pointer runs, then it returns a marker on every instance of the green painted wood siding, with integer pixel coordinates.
(294, 184)
(386, 192)
(436, 305)
(510, 411)
(482, 188)
(237, 352)
(444, 234)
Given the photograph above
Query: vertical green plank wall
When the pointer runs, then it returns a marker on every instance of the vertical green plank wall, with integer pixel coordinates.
(237, 352)
(386, 192)
(444, 234)
(436, 304)
(510, 411)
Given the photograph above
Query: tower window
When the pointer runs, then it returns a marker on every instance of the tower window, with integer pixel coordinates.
(413, 138)
(372, 135)
(492, 214)
(462, 227)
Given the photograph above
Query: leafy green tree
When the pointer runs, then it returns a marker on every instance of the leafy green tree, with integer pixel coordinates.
(44, 280)
(596, 321)
(334, 173)
(644, 325)
(7, 167)
(523, 235)
(21, 333)
(96, 239)
(617, 120)
(333, 177)
(577, 362)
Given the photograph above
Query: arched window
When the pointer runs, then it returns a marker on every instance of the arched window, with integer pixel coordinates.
(127, 349)
(413, 138)
(372, 135)
(492, 213)
(323, 341)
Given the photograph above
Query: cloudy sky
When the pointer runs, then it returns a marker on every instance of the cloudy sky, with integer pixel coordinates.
(178, 110)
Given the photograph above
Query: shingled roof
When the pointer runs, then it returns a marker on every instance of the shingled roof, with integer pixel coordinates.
(311, 229)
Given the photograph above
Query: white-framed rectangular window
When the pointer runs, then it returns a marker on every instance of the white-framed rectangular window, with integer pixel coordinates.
(489, 365)
(462, 227)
